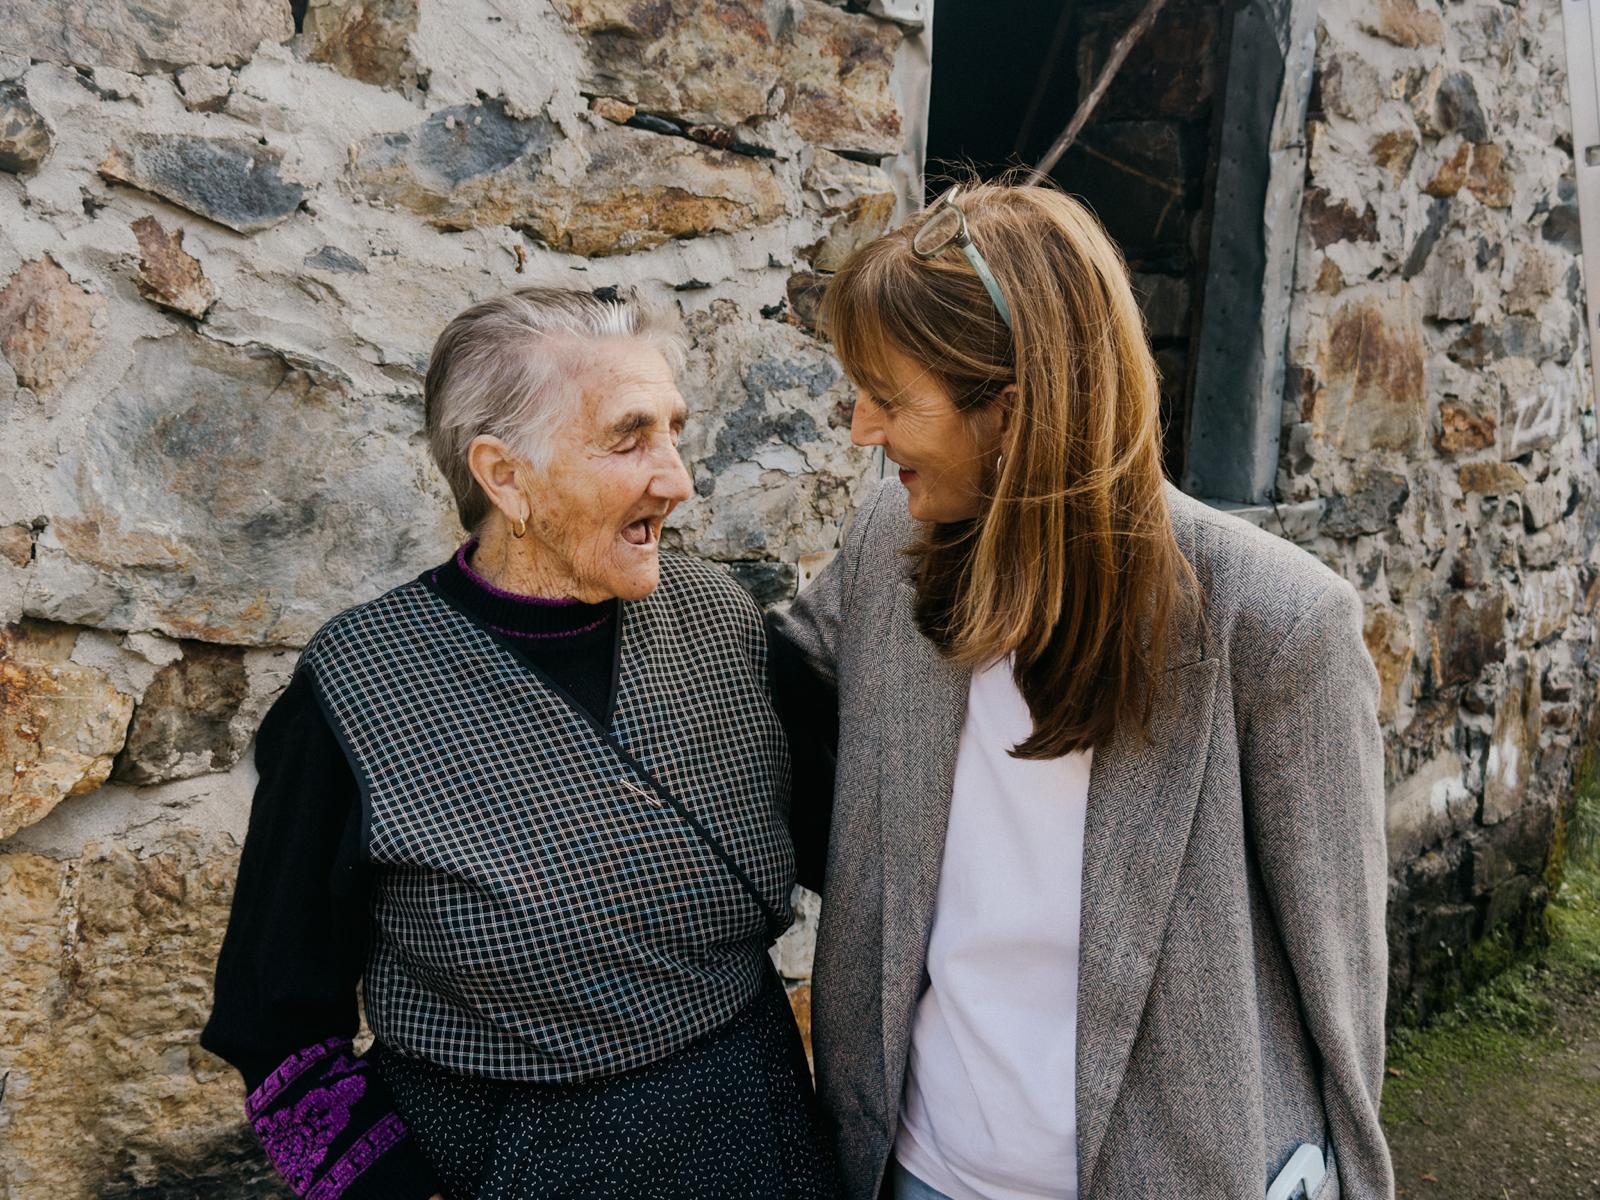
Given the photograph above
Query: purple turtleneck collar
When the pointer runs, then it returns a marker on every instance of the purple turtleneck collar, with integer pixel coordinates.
(513, 613)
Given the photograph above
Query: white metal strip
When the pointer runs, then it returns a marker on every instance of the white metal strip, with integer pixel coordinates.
(1583, 89)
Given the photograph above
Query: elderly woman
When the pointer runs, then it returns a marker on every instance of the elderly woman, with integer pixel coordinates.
(1103, 910)
(531, 802)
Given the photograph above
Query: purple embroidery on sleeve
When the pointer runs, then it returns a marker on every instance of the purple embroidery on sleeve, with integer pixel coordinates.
(297, 1139)
(368, 1148)
(299, 1136)
(291, 1069)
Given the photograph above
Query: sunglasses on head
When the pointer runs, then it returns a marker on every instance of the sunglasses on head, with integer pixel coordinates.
(946, 224)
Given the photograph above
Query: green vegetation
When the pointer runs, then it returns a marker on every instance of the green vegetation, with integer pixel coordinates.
(1496, 1097)
(1514, 1015)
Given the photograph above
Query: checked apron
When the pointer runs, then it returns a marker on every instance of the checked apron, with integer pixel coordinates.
(556, 899)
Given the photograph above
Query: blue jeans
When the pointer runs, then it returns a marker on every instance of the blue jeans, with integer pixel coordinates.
(908, 1187)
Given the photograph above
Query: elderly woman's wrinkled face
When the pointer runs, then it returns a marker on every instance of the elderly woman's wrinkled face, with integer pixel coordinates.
(614, 475)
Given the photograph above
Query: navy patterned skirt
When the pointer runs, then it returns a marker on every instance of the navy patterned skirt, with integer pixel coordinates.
(731, 1116)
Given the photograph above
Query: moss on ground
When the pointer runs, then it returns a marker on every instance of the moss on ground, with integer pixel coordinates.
(1497, 1098)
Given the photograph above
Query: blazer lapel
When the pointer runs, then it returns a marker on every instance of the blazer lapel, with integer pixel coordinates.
(1140, 811)
(916, 774)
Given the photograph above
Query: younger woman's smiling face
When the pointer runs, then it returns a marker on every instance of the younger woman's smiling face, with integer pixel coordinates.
(945, 456)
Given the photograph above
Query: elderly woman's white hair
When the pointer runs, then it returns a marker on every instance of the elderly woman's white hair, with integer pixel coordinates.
(510, 367)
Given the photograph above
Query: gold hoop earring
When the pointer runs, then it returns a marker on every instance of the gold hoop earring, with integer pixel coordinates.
(520, 529)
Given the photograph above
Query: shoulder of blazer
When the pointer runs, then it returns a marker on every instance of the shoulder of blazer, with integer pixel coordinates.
(874, 545)
(1257, 586)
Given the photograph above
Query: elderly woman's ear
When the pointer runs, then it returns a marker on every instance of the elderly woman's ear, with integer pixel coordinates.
(500, 473)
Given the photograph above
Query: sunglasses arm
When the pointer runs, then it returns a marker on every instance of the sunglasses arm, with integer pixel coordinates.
(987, 276)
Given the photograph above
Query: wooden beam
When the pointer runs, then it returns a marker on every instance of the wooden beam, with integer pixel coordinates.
(1119, 52)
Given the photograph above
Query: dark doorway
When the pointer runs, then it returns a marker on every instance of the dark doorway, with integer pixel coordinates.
(1008, 78)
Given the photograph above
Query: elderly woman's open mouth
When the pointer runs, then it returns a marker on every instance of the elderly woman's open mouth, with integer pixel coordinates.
(645, 532)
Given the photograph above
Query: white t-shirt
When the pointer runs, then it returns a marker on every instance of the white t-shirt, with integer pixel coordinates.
(989, 1108)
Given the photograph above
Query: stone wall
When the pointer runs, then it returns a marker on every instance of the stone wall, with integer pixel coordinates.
(226, 247)
(1439, 446)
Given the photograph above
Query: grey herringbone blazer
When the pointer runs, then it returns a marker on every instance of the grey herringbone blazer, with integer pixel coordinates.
(1233, 961)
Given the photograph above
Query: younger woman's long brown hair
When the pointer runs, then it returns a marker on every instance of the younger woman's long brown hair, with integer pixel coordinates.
(1074, 568)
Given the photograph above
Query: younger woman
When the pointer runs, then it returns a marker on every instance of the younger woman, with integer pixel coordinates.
(1103, 910)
